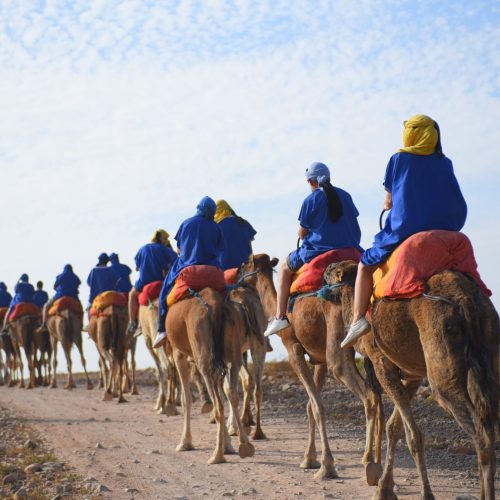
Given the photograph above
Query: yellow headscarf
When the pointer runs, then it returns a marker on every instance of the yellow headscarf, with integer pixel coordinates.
(161, 236)
(420, 135)
(223, 210)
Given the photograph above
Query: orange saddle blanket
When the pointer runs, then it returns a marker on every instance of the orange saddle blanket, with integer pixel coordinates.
(309, 277)
(231, 276)
(23, 309)
(196, 278)
(65, 303)
(3, 312)
(106, 299)
(150, 292)
(422, 255)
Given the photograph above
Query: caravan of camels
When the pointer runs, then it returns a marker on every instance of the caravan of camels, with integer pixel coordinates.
(413, 306)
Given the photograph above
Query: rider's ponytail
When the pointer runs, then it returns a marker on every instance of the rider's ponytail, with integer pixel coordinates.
(335, 210)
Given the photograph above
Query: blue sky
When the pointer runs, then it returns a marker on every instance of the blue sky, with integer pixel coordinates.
(118, 116)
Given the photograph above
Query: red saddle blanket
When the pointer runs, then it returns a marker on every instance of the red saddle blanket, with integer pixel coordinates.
(65, 303)
(310, 276)
(196, 278)
(422, 255)
(150, 292)
(106, 299)
(231, 276)
(3, 312)
(23, 309)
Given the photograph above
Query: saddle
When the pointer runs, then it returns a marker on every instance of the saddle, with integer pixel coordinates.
(100, 305)
(405, 274)
(65, 303)
(196, 278)
(150, 292)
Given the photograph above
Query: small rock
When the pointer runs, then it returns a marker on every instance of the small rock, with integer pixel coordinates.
(135, 461)
(131, 490)
(159, 480)
(20, 493)
(100, 488)
(13, 477)
(328, 495)
(31, 469)
(180, 497)
(229, 493)
(250, 491)
(153, 452)
(285, 387)
(340, 481)
(52, 466)
(57, 497)
(107, 419)
(29, 445)
(121, 474)
(90, 479)
(69, 423)
(99, 446)
(465, 497)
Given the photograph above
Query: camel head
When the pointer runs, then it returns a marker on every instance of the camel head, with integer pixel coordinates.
(259, 262)
(340, 272)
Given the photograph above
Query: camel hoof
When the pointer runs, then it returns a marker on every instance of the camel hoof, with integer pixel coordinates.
(373, 473)
(326, 473)
(171, 411)
(212, 419)
(135, 392)
(206, 407)
(53, 386)
(229, 450)
(121, 399)
(216, 460)
(184, 447)
(68, 387)
(107, 396)
(258, 434)
(232, 431)
(246, 450)
(309, 463)
(90, 386)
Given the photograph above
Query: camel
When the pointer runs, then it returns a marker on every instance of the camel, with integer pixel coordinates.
(108, 329)
(22, 331)
(129, 383)
(10, 360)
(246, 295)
(42, 355)
(450, 337)
(309, 334)
(206, 329)
(66, 327)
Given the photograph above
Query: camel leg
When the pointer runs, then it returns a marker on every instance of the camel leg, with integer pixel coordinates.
(21, 370)
(135, 392)
(259, 360)
(181, 362)
(53, 382)
(213, 391)
(310, 455)
(79, 346)
(31, 367)
(168, 376)
(246, 384)
(119, 372)
(401, 394)
(66, 343)
(298, 363)
(161, 377)
(110, 375)
(205, 399)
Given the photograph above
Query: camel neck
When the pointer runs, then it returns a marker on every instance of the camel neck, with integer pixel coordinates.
(267, 294)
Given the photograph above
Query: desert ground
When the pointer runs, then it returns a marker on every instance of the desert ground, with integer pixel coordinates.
(124, 451)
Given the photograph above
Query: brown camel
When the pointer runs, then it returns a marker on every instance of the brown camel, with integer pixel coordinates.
(450, 337)
(22, 331)
(246, 295)
(309, 334)
(109, 329)
(196, 329)
(66, 327)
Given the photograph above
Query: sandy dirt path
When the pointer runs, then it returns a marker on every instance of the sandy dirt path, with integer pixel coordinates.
(138, 452)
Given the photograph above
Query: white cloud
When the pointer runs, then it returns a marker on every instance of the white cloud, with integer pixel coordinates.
(122, 115)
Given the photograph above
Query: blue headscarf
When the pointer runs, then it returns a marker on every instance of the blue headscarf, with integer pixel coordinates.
(318, 172)
(103, 259)
(68, 268)
(24, 278)
(3, 286)
(113, 257)
(206, 208)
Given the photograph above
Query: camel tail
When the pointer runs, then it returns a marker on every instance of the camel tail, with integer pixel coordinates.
(251, 323)
(115, 334)
(371, 379)
(482, 359)
(219, 317)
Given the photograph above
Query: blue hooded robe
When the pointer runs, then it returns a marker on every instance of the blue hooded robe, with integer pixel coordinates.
(124, 284)
(237, 235)
(67, 284)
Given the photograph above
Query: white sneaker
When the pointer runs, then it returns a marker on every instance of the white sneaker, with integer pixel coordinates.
(356, 330)
(160, 339)
(276, 325)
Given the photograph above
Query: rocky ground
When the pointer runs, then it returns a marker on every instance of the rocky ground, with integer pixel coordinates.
(60, 444)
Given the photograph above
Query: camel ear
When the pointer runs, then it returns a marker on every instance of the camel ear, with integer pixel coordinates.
(334, 273)
(250, 260)
(274, 261)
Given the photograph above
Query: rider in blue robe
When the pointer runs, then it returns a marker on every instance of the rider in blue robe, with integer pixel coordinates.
(102, 278)
(40, 297)
(5, 296)
(200, 242)
(237, 234)
(124, 284)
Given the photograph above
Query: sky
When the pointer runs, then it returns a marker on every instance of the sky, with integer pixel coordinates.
(118, 116)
